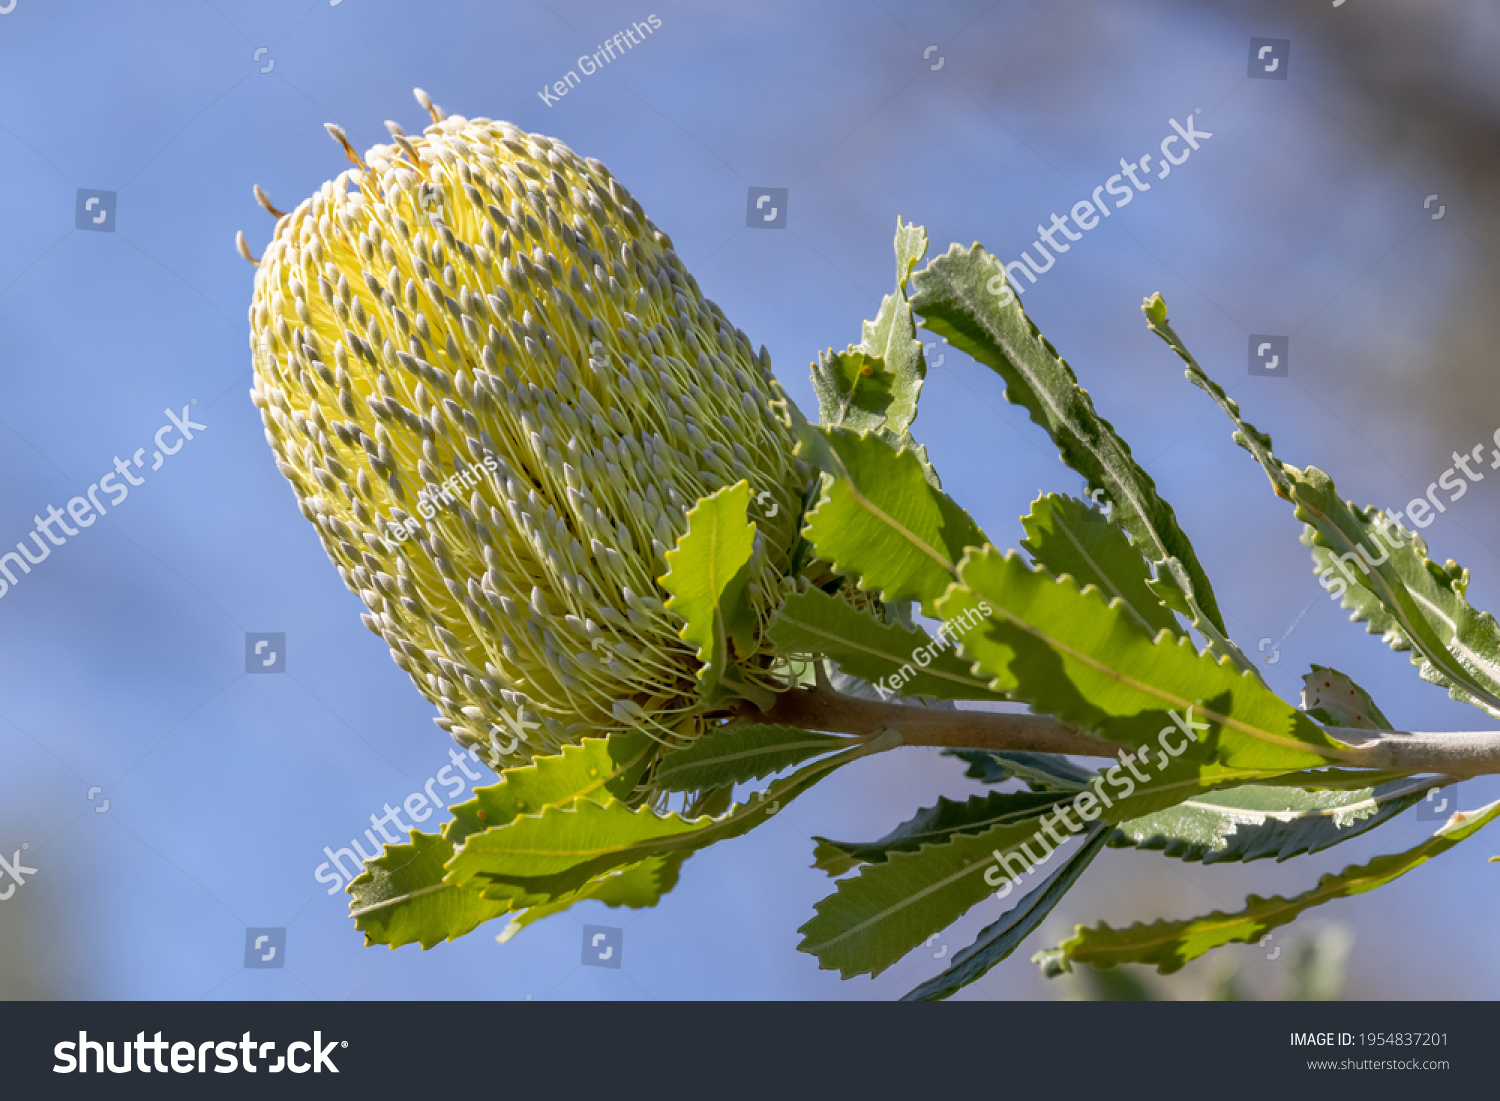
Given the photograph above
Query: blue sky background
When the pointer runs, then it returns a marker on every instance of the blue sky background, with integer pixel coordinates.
(123, 658)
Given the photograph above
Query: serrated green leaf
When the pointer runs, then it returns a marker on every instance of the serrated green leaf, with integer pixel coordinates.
(708, 575)
(638, 886)
(1246, 435)
(1045, 770)
(738, 754)
(997, 941)
(596, 768)
(828, 857)
(879, 520)
(954, 299)
(874, 386)
(1068, 536)
(1408, 599)
(897, 660)
(1069, 654)
(876, 917)
(908, 441)
(1066, 653)
(1172, 944)
(400, 898)
(853, 388)
(539, 858)
(1383, 574)
(941, 822)
(893, 335)
(1255, 822)
(873, 919)
(562, 838)
(911, 247)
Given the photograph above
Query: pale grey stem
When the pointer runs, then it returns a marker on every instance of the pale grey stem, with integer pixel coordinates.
(1457, 755)
(822, 708)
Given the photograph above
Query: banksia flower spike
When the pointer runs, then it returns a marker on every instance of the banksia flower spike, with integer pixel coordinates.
(497, 391)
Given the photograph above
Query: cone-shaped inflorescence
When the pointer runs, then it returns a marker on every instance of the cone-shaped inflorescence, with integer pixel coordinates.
(497, 391)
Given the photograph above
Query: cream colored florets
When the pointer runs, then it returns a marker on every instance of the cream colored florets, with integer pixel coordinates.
(496, 391)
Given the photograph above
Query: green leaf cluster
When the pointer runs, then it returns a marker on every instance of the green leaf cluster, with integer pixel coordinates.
(1103, 619)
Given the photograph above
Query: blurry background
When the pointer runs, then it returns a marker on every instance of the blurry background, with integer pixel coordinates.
(123, 653)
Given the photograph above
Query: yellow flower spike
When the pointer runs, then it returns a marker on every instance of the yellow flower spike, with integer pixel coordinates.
(496, 391)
